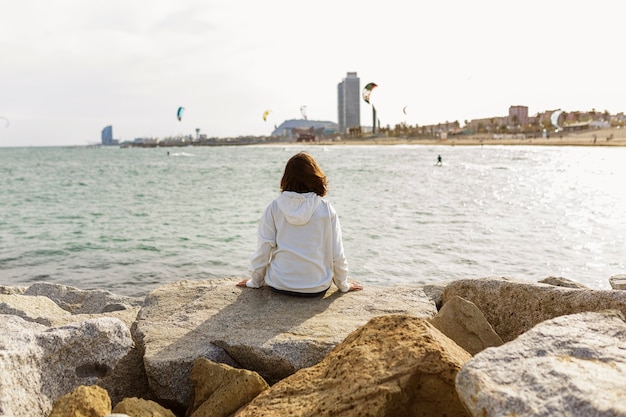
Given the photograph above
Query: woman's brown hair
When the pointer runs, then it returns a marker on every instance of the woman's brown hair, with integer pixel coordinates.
(303, 175)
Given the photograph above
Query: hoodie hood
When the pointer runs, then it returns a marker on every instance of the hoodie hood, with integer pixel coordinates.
(298, 208)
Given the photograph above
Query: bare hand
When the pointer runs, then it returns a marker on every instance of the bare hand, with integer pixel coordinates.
(242, 283)
(355, 286)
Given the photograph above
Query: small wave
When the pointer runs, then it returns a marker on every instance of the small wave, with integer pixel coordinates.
(147, 248)
(180, 154)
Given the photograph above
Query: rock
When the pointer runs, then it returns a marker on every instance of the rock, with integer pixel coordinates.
(37, 309)
(435, 292)
(562, 282)
(40, 364)
(618, 282)
(395, 365)
(55, 304)
(91, 401)
(128, 379)
(78, 301)
(513, 307)
(568, 366)
(255, 329)
(464, 323)
(220, 390)
(8, 290)
(138, 407)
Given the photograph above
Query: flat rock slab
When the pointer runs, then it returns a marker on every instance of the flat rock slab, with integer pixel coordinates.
(272, 334)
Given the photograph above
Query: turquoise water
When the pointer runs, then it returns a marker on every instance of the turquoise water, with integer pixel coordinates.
(128, 220)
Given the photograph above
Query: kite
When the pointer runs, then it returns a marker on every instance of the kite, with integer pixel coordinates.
(179, 113)
(367, 91)
(265, 114)
(554, 118)
(6, 120)
(404, 109)
(303, 112)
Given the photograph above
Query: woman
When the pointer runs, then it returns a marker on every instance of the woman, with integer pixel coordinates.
(300, 250)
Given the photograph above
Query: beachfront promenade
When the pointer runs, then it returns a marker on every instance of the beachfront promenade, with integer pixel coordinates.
(593, 137)
(599, 137)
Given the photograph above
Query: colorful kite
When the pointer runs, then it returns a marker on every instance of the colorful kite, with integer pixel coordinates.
(367, 91)
(265, 114)
(179, 113)
(554, 118)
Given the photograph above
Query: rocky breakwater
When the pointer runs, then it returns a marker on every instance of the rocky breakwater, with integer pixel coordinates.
(479, 347)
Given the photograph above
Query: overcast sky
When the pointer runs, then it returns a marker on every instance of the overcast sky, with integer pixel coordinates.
(68, 68)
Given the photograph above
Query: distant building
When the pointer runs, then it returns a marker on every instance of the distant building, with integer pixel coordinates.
(348, 102)
(518, 116)
(107, 136)
(289, 128)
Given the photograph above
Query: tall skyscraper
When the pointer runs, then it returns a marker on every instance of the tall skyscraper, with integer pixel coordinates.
(348, 102)
(107, 135)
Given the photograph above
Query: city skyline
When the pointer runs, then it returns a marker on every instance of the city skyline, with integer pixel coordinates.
(70, 68)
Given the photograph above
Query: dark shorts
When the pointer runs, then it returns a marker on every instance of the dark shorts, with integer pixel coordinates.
(300, 294)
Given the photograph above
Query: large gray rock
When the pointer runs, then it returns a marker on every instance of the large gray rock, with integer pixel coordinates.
(513, 307)
(569, 366)
(272, 334)
(38, 364)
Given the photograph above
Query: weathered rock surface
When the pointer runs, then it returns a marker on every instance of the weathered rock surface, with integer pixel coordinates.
(618, 282)
(513, 307)
(128, 379)
(562, 282)
(39, 364)
(55, 304)
(219, 390)
(138, 407)
(464, 323)
(434, 291)
(50, 343)
(255, 329)
(84, 401)
(78, 301)
(8, 290)
(571, 365)
(37, 309)
(395, 365)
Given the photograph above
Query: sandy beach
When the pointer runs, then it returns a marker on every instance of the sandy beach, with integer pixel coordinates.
(596, 137)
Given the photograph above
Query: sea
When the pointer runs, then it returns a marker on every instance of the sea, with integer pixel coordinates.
(131, 219)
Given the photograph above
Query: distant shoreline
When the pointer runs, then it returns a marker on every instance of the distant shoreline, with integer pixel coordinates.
(596, 137)
(600, 137)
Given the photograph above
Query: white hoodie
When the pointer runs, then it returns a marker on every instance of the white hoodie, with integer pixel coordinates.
(299, 246)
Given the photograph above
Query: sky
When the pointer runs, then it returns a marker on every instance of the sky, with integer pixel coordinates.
(68, 68)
